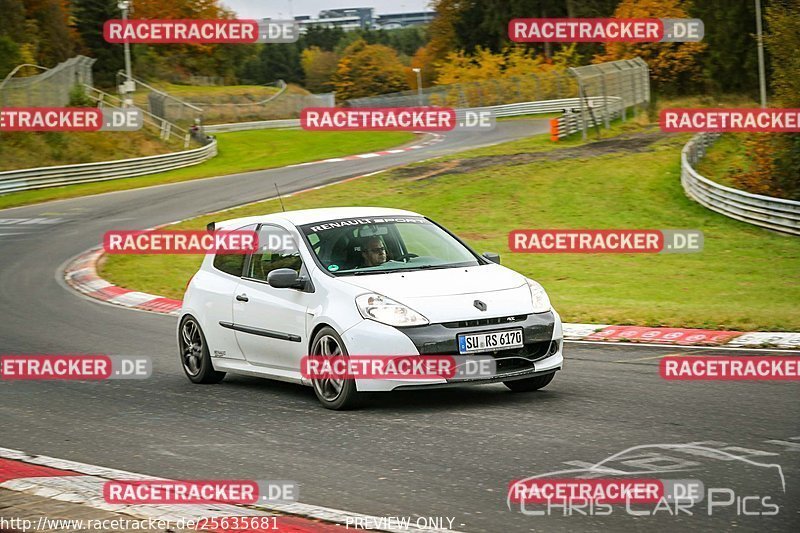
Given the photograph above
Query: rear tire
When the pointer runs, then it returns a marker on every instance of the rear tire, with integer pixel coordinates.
(530, 384)
(194, 354)
(334, 394)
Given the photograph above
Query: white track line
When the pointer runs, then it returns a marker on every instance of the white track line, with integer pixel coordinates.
(87, 490)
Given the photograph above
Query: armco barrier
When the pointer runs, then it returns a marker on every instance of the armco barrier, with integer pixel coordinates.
(594, 114)
(255, 125)
(765, 211)
(505, 110)
(43, 177)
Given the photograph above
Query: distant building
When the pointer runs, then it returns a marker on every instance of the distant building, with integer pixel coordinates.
(402, 20)
(354, 18)
(346, 23)
(365, 14)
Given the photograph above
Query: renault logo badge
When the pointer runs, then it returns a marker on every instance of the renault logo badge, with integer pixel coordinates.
(479, 305)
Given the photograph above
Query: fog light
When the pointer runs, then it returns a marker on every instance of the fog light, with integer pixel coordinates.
(553, 348)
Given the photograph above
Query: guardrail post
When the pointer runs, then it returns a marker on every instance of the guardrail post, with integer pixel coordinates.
(554, 129)
(605, 99)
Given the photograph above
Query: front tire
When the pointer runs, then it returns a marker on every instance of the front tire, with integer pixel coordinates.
(194, 354)
(530, 384)
(335, 394)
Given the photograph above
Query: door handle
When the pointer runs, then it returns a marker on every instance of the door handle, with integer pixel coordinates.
(242, 297)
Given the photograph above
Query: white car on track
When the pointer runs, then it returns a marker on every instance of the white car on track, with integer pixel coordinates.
(360, 280)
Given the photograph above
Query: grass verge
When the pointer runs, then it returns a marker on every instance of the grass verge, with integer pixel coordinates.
(42, 149)
(745, 278)
(241, 151)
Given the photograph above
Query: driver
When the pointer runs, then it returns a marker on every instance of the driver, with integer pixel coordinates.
(373, 252)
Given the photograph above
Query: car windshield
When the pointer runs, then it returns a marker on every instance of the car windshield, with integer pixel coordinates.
(375, 245)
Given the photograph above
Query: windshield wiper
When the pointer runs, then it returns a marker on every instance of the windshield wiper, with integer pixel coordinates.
(424, 267)
(365, 272)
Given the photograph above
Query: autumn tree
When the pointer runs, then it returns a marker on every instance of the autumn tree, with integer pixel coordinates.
(368, 70)
(443, 39)
(422, 60)
(177, 61)
(512, 62)
(36, 31)
(319, 66)
(673, 66)
(775, 157)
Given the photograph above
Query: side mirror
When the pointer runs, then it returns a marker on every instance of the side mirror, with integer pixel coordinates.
(285, 278)
(491, 256)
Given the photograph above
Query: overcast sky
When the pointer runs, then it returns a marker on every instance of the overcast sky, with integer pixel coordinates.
(258, 9)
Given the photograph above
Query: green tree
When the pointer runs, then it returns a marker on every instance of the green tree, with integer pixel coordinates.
(56, 41)
(275, 62)
(322, 37)
(730, 63)
(10, 55)
(12, 23)
(89, 18)
(368, 70)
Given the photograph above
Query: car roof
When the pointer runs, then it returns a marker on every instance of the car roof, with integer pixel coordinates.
(310, 216)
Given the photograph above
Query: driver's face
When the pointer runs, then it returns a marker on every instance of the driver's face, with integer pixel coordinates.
(374, 252)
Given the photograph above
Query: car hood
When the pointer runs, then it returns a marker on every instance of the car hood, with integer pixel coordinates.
(449, 294)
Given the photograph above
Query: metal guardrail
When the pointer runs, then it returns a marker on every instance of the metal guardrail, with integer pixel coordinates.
(765, 211)
(525, 108)
(594, 114)
(43, 177)
(255, 125)
(504, 110)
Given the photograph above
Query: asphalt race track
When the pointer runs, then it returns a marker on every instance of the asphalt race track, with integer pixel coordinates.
(445, 453)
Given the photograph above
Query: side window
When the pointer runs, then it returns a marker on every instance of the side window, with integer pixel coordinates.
(232, 264)
(277, 249)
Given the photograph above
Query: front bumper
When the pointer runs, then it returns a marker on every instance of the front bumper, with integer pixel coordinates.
(534, 359)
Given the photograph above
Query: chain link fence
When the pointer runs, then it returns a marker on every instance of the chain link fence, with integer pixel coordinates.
(284, 104)
(598, 93)
(51, 88)
(628, 80)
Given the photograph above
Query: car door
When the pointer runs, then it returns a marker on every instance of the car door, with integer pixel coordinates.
(217, 286)
(270, 323)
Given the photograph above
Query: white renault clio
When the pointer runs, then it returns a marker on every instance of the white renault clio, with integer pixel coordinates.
(360, 280)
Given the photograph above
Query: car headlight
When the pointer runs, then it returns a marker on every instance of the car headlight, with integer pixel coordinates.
(387, 311)
(541, 303)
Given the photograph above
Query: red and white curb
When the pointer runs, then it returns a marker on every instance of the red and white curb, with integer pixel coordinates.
(81, 274)
(82, 483)
(681, 336)
(434, 138)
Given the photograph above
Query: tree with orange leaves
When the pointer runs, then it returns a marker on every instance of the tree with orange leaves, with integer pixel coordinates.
(673, 66)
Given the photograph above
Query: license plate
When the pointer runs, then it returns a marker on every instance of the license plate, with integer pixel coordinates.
(490, 341)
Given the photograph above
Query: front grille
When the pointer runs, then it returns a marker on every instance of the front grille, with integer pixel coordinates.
(502, 320)
(512, 360)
